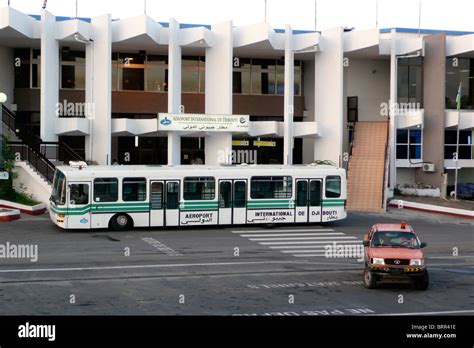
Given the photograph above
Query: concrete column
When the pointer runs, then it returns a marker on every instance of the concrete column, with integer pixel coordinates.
(393, 112)
(328, 96)
(288, 98)
(174, 89)
(219, 91)
(49, 76)
(434, 84)
(89, 99)
(100, 83)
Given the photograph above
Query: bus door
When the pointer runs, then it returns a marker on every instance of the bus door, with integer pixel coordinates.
(232, 201)
(164, 203)
(315, 200)
(302, 200)
(79, 208)
(172, 203)
(157, 203)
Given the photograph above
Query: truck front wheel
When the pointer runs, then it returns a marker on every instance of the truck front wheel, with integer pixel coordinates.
(422, 282)
(370, 279)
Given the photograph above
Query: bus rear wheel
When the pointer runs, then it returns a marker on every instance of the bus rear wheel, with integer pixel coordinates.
(121, 222)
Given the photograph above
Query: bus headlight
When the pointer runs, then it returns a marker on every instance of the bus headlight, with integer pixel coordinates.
(416, 262)
(378, 261)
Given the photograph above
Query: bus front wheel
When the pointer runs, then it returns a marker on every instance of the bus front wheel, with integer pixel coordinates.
(121, 222)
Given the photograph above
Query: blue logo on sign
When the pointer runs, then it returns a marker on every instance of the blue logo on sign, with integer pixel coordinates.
(84, 221)
(166, 121)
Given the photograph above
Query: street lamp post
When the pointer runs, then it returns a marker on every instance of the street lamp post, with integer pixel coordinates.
(3, 99)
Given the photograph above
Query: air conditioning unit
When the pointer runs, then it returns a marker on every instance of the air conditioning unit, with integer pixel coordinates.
(429, 167)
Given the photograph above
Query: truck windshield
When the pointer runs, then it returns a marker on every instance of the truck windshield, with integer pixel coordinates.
(58, 195)
(395, 239)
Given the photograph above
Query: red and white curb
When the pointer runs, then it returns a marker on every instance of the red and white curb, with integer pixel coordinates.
(7, 215)
(26, 209)
(402, 204)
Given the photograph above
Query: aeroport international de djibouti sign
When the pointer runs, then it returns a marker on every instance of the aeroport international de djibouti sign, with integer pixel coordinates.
(203, 123)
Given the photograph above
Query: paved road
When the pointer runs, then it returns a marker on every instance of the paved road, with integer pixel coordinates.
(228, 271)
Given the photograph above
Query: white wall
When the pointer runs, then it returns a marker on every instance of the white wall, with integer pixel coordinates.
(308, 90)
(328, 95)
(34, 184)
(7, 73)
(370, 81)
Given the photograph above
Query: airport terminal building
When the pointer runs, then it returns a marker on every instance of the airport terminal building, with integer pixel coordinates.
(381, 103)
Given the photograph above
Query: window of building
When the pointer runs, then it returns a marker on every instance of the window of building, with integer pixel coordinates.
(199, 188)
(73, 69)
(410, 80)
(134, 189)
(466, 149)
(157, 73)
(460, 71)
(131, 71)
(241, 76)
(202, 74)
(267, 187)
(333, 186)
(190, 74)
(263, 74)
(114, 68)
(36, 69)
(409, 144)
(22, 67)
(105, 190)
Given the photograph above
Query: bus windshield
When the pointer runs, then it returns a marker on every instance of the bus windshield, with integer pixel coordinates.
(58, 195)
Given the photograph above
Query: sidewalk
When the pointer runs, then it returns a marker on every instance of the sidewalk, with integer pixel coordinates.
(459, 208)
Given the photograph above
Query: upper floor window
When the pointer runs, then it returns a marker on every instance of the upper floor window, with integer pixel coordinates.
(466, 147)
(27, 68)
(73, 69)
(459, 72)
(410, 81)
(409, 144)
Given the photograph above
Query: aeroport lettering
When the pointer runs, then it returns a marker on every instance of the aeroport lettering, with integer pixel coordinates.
(198, 216)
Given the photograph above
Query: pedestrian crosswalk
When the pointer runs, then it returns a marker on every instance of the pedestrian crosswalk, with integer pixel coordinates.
(304, 242)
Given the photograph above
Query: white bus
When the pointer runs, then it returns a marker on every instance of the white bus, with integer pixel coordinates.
(122, 197)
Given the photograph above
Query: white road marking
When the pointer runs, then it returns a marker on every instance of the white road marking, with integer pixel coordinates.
(449, 257)
(293, 234)
(275, 231)
(343, 242)
(103, 268)
(286, 243)
(277, 239)
(329, 239)
(430, 313)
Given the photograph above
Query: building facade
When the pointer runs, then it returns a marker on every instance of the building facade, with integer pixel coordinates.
(99, 86)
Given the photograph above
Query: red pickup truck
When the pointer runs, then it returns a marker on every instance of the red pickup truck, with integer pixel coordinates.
(394, 251)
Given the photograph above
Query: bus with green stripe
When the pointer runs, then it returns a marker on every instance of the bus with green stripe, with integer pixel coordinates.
(122, 197)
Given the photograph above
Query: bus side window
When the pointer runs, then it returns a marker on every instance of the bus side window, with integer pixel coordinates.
(333, 186)
(315, 193)
(79, 194)
(157, 195)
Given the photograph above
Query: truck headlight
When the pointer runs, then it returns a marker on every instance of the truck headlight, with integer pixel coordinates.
(378, 261)
(416, 262)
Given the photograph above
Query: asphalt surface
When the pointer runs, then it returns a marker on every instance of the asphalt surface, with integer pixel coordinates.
(236, 270)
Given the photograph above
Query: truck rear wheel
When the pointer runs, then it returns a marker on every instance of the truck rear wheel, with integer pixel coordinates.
(370, 279)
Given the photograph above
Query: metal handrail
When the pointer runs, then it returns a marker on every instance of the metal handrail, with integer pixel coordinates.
(37, 160)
